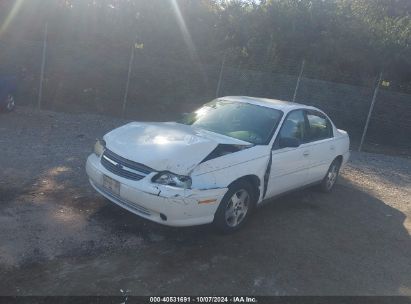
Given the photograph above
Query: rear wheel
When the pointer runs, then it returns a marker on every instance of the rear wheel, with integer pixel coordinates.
(235, 207)
(331, 177)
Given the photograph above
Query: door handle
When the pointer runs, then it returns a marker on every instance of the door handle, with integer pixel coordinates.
(332, 148)
(306, 153)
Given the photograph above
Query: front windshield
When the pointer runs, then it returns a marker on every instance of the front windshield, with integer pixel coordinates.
(252, 123)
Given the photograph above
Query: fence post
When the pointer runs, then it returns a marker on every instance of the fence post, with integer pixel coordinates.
(298, 80)
(43, 65)
(220, 78)
(130, 68)
(374, 98)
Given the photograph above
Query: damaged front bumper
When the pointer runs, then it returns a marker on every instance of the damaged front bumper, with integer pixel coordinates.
(162, 204)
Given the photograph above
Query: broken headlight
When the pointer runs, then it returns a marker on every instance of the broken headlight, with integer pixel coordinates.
(171, 179)
(99, 147)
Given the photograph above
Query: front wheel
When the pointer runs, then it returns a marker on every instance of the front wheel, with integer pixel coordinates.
(235, 207)
(331, 177)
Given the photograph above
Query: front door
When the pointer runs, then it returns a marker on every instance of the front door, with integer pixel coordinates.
(290, 166)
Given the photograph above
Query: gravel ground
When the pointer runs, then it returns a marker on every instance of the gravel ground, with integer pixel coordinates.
(58, 237)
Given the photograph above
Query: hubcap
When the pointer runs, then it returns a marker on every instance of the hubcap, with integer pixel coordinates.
(237, 208)
(332, 176)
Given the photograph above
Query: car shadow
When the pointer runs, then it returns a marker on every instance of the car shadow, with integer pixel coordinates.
(346, 242)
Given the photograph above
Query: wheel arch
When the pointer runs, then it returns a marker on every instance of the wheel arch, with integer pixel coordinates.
(339, 158)
(253, 180)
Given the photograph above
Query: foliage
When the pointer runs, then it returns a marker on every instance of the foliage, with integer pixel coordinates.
(344, 40)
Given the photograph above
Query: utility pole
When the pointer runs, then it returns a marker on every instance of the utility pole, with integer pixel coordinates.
(43, 65)
(374, 98)
(220, 79)
(298, 80)
(130, 68)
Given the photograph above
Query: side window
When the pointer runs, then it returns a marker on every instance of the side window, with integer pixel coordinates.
(320, 126)
(294, 126)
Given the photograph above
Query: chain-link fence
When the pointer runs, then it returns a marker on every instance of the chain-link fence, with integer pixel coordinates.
(109, 79)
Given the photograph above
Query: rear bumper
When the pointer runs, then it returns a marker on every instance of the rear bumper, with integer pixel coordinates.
(162, 204)
(346, 157)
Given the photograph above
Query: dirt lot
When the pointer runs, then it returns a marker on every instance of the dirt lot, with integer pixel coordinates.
(58, 237)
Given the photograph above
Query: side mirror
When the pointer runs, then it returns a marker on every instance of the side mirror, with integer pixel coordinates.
(289, 142)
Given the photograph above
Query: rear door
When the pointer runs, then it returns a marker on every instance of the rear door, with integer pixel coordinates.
(289, 166)
(320, 139)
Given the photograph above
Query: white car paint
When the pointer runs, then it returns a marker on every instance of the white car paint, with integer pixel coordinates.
(165, 146)
(180, 149)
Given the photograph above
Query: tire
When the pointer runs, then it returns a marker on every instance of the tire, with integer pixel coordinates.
(331, 177)
(235, 207)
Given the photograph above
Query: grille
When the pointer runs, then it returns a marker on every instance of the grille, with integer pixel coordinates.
(124, 167)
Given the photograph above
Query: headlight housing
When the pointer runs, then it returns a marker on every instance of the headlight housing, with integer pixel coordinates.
(171, 179)
(99, 147)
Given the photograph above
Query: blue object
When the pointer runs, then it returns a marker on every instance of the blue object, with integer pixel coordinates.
(8, 86)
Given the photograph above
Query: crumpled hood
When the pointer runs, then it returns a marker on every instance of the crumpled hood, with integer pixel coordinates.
(166, 146)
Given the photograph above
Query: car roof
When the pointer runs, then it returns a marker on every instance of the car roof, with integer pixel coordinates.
(282, 105)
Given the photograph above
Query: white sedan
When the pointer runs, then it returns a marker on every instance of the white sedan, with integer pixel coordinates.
(219, 162)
